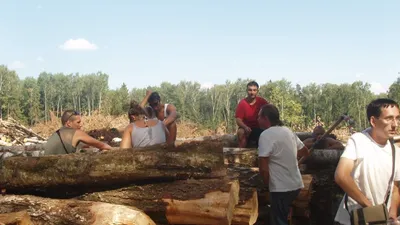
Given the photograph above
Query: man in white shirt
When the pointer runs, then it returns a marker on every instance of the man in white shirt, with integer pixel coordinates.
(365, 167)
(278, 150)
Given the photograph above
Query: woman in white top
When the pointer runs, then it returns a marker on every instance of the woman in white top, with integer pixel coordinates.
(142, 132)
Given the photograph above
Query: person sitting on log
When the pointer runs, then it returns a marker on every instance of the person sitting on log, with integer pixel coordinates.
(246, 116)
(142, 132)
(325, 143)
(164, 112)
(70, 137)
(278, 150)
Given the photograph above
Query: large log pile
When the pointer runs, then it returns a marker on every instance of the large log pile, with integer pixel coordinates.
(13, 133)
(187, 184)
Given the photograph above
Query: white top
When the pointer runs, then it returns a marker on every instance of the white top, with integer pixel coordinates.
(372, 171)
(280, 144)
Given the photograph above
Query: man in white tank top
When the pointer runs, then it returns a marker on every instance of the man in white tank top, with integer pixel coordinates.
(164, 112)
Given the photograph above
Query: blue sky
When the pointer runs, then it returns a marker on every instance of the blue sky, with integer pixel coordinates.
(144, 43)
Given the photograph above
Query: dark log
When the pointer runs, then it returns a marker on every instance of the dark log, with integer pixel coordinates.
(16, 218)
(50, 211)
(113, 167)
(210, 201)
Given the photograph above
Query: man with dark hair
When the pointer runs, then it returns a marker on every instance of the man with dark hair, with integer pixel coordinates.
(278, 150)
(69, 136)
(325, 143)
(246, 116)
(164, 112)
(365, 168)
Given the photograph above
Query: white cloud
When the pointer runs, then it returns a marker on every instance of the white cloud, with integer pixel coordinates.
(78, 44)
(39, 7)
(359, 75)
(16, 65)
(207, 85)
(378, 88)
(40, 59)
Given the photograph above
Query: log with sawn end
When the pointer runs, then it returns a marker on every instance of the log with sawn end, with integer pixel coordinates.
(206, 201)
(51, 211)
(113, 167)
(246, 212)
(16, 218)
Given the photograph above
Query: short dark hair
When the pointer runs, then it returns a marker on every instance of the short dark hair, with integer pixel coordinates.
(272, 113)
(252, 83)
(374, 108)
(154, 97)
(69, 115)
(135, 110)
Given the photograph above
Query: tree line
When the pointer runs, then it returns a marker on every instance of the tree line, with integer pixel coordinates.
(31, 100)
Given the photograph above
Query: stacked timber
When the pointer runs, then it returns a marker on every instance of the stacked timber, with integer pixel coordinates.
(13, 133)
(187, 184)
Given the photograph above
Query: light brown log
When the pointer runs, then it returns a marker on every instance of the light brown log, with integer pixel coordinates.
(16, 218)
(50, 211)
(246, 212)
(209, 201)
(241, 156)
(113, 167)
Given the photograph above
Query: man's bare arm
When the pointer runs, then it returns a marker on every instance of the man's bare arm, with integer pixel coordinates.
(303, 152)
(126, 138)
(171, 109)
(241, 124)
(346, 182)
(335, 144)
(85, 138)
(263, 165)
(308, 142)
(395, 201)
(146, 98)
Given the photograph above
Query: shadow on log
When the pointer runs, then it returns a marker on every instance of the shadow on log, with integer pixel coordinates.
(192, 160)
(210, 201)
(50, 211)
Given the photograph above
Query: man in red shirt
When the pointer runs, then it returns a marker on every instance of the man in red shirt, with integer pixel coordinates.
(246, 116)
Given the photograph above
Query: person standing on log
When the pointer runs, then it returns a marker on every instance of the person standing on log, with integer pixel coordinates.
(67, 139)
(142, 132)
(278, 150)
(164, 112)
(364, 170)
(325, 143)
(246, 116)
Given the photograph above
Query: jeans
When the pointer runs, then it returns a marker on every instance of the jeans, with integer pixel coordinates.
(280, 206)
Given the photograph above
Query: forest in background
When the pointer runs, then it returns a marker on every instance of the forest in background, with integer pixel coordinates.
(31, 100)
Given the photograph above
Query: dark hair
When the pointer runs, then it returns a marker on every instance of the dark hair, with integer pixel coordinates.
(272, 113)
(135, 110)
(252, 83)
(154, 97)
(69, 115)
(374, 108)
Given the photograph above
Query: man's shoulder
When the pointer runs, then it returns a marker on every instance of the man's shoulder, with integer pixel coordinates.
(261, 100)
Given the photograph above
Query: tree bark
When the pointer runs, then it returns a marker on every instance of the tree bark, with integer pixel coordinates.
(207, 201)
(16, 218)
(50, 211)
(115, 167)
(246, 213)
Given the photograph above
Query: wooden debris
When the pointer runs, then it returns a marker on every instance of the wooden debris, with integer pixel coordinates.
(16, 218)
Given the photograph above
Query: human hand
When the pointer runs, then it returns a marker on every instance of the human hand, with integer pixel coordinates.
(247, 129)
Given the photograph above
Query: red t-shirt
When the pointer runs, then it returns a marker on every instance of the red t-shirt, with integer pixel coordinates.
(249, 113)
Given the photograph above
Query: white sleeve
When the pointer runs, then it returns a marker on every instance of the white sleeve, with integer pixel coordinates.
(397, 164)
(350, 150)
(266, 145)
(299, 143)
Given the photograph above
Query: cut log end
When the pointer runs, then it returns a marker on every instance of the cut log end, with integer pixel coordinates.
(247, 212)
(215, 208)
(16, 218)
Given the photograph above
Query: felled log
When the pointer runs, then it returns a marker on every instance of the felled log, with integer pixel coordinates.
(50, 211)
(113, 167)
(16, 218)
(319, 158)
(246, 212)
(208, 201)
(14, 123)
(227, 140)
(301, 205)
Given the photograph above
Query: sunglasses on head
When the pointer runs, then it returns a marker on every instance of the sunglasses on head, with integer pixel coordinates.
(74, 113)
